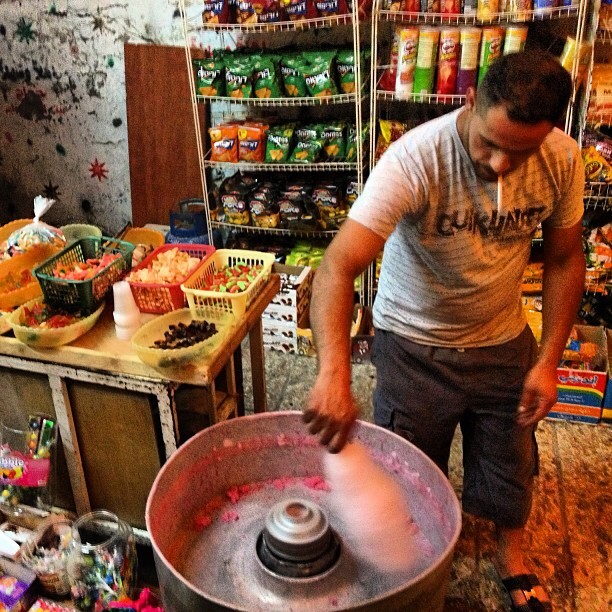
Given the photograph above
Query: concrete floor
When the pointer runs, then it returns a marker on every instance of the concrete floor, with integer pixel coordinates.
(569, 531)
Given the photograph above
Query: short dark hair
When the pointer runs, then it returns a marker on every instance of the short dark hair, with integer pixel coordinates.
(532, 85)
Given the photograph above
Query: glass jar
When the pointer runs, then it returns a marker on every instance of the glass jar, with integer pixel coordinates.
(102, 561)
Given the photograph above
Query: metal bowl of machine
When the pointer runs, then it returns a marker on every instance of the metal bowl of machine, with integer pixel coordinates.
(240, 519)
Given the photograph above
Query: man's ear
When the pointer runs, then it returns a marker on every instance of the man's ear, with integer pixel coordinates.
(470, 98)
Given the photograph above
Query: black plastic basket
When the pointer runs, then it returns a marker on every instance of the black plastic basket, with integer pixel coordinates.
(86, 295)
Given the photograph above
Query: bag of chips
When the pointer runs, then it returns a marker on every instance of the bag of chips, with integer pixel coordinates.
(235, 208)
(328, 8)
(238, 77)
(294, 80)
(299, 10)
(319, 76)
(389, 131)
(224, 143)
(210, 76)
(265, 78)
(345, 67)
(306, 152)
(215, 11)
(251, 142)
(334, 137)
(278, 144)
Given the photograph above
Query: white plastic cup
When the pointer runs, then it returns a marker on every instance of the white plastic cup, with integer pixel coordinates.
(126, 313)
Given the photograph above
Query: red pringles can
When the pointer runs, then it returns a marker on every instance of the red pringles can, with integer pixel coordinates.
(448, 56)
(450, 7)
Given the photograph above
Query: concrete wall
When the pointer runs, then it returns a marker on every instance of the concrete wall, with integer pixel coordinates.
(63, 131)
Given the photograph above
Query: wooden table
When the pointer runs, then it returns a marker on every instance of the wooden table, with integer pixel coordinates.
(101, 361)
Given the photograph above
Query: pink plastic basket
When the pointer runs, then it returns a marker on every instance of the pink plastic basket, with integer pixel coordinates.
(159, 298)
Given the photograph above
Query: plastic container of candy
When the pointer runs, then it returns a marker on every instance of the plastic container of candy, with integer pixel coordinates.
(84, 295)
(203, 303)
(144, 339)
(49, 337)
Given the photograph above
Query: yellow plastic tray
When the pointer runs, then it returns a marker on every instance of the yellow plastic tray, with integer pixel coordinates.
(48, 338)
(146, 336)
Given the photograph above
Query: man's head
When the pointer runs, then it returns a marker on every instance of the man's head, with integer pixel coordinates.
(519, 101)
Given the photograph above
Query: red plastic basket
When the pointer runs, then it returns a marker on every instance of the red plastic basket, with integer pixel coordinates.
(163, 297)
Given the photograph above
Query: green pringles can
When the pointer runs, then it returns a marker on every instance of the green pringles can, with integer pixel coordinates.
(490, 48)
(427, 53)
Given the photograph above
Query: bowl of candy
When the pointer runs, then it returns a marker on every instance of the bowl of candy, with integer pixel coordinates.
(177, 338)
(40, 325)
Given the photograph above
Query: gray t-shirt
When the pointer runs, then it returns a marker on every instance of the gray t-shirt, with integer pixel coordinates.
(453, 263)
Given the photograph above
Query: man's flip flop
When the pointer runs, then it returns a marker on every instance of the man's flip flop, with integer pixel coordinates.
(521, 590)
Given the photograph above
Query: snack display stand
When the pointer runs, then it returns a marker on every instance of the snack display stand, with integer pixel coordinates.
(119, 466)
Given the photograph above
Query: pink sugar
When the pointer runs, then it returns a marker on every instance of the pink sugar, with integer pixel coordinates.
(230, 516)
(202, 522)
(317, 483)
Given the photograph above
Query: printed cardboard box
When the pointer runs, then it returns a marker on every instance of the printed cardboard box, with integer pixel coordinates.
(17, 588)
(606, 413)
(293, 298)
(280, 336)
(581, 392)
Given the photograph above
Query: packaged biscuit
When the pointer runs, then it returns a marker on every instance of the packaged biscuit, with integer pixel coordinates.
(320, 76)
(252, 142)
(278, 144)
(215, 11)
(294, 79)
(210, 76)
(266, 81)
(224, 143)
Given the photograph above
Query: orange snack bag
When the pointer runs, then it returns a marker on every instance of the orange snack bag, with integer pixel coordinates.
(224, 143)
(252, 142)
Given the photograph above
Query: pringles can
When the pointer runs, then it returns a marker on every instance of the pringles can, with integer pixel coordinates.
(520, 9)
(487, 9)
(451, 7)
(448, 56)
(426, 61)
(469, 46)
(430, 6)
(408, 41)
(490, 49)
(515, 39)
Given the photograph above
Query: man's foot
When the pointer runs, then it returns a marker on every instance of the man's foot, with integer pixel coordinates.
(526, 593)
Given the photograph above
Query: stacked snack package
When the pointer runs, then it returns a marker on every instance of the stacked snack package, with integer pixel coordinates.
(597, 157)
(600, 103)
(580, 354)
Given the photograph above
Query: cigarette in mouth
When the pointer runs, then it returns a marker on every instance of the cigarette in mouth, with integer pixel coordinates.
(499, 192)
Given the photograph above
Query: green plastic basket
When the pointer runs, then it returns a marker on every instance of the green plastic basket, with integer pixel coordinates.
(86, 295)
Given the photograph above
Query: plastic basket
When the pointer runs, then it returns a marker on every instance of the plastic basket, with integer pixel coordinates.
(14, 267)
(157, 297)
(86, 295)
(144, 235)
(49, 337)
(202, 303)
(9, 228)
(158, 358)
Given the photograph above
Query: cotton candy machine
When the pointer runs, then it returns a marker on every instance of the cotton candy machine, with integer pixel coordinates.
(240, 519)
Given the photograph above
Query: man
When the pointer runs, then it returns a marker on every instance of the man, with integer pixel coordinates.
(456, 202)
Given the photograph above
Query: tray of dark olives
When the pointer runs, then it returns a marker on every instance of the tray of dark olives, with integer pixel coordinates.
(176, 338)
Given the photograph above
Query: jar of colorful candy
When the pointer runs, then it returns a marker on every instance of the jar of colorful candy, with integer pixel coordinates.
(102, 562)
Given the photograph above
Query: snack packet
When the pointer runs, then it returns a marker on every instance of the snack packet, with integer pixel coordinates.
(299, 10)
(345, 67)
(235, 208)
(251, 142)
(224, 143)
(37, 232)
(278, 144)
(319, 76)
(209, 76)
(238, 77)
(265, 78)
(328, 8)
(334, 137)
(294, 80)
(215, 11)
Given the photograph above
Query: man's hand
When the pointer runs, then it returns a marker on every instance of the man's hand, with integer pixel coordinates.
(331, 413)
(539, 395)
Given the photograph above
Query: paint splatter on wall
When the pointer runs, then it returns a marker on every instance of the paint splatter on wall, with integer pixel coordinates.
(63, 129)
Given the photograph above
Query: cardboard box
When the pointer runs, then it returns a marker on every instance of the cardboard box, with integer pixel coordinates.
(306, 345)
(17, 589)
(280, 336)
(293, 297)
(581, 392)
(606, 413)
